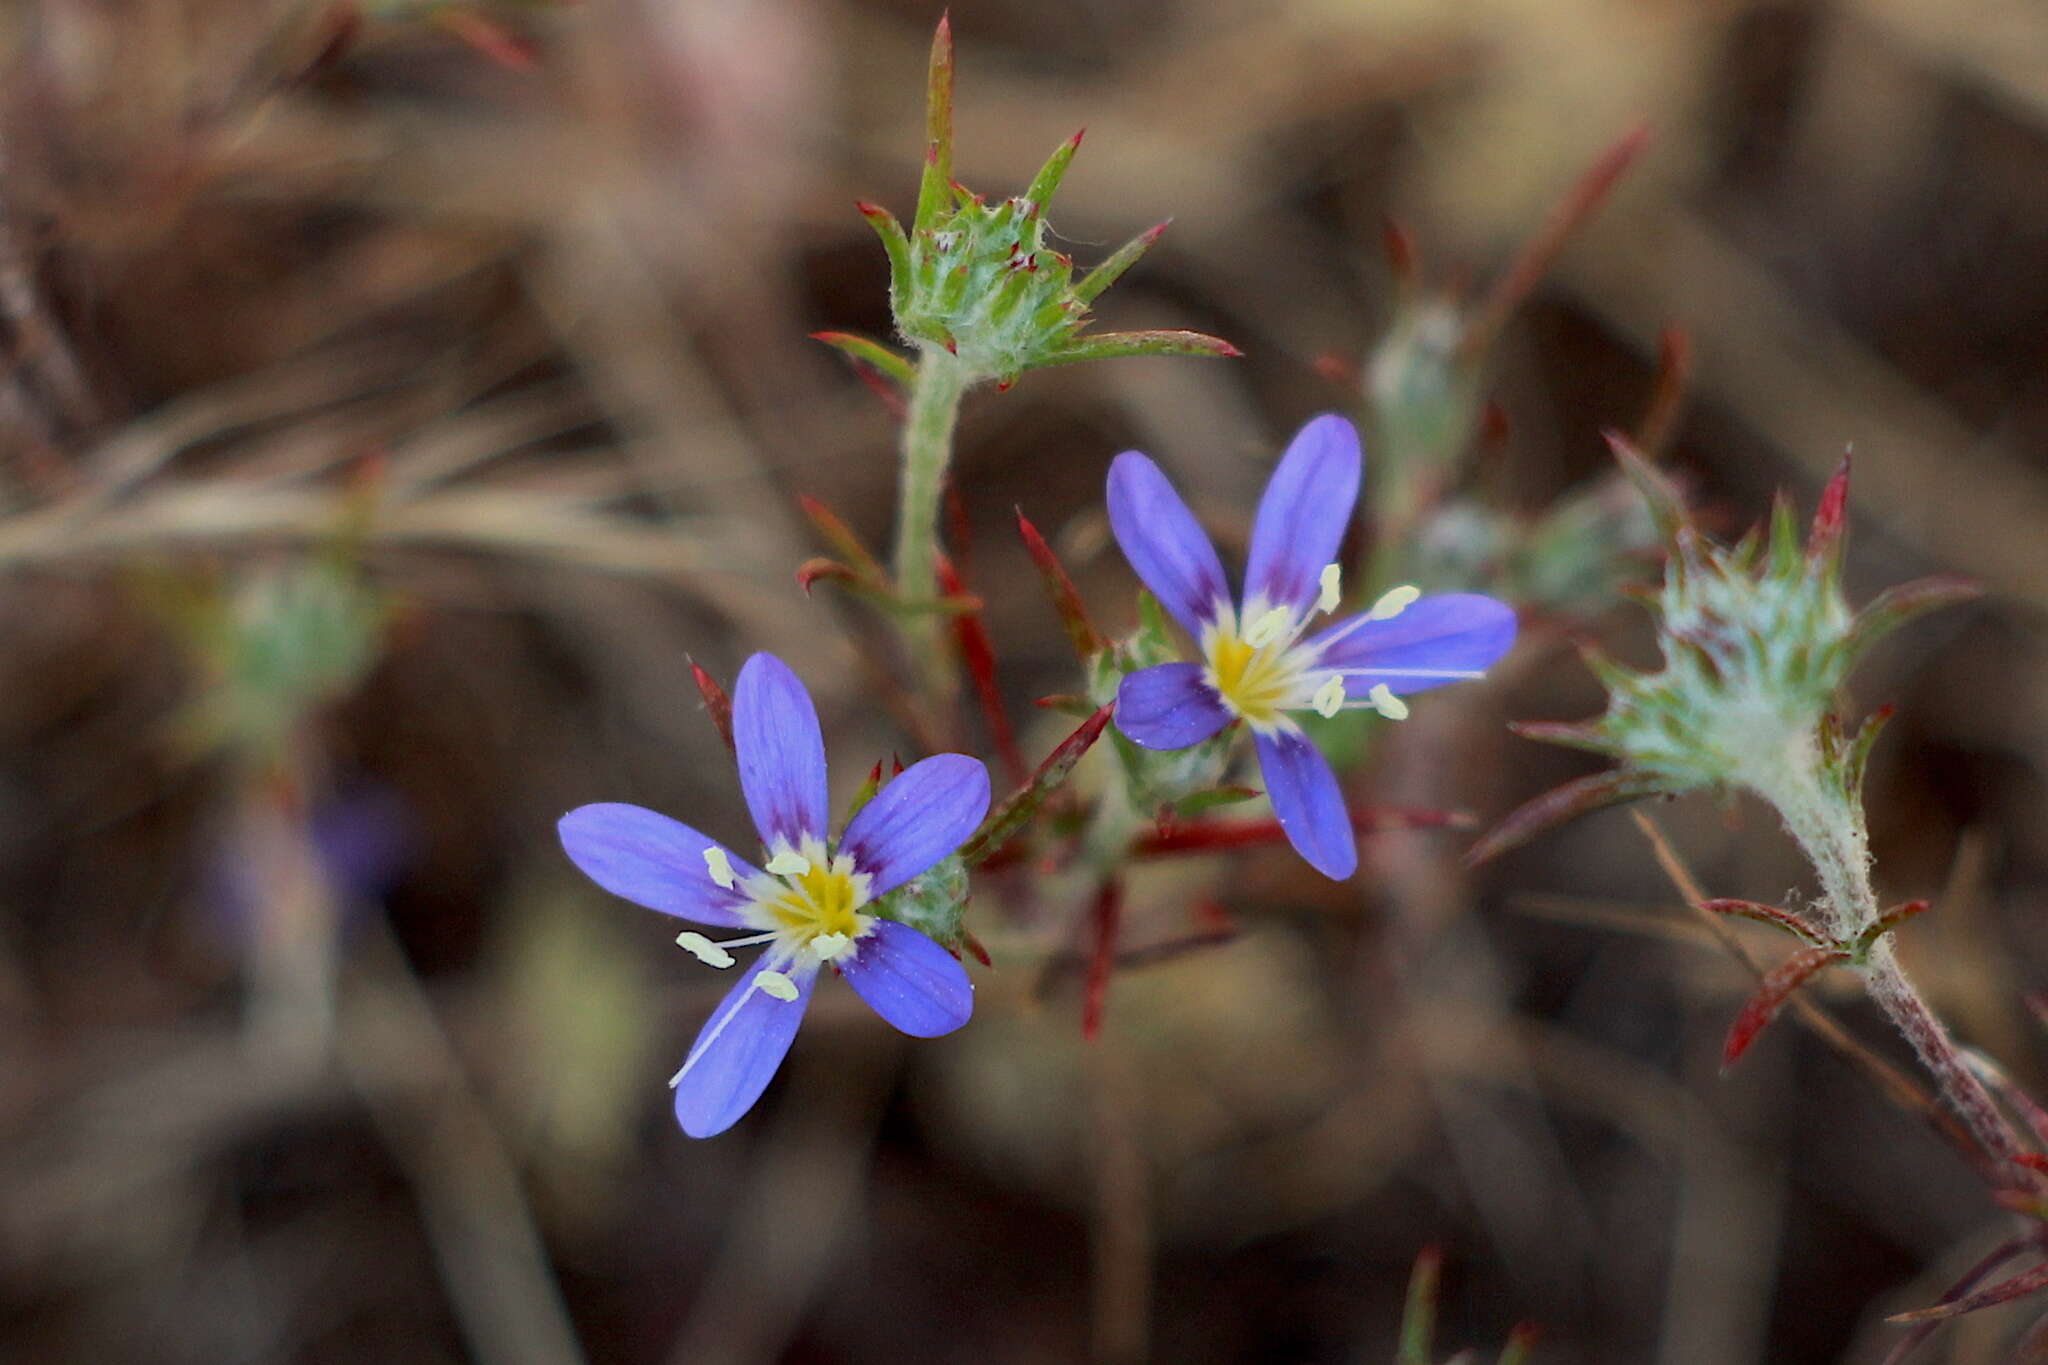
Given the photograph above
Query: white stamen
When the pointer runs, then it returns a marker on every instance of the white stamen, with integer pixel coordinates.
(1333, 588)
(1386, 703)
(777, 985)
(830, 946)
(1393, 602)
(789, 863)
(1270, 626)
(720, 867)
(1375, 671)
(714, 1032)
(704, 950)
(1329, 698)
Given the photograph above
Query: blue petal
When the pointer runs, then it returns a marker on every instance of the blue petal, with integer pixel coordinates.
(910, 981)
(1457, 635)
(925, 812)
(781, 752)
(1169, 707)
(651, 860)
(737, 1052)
(1164, 543)
(1303, 515)
(1308, 802)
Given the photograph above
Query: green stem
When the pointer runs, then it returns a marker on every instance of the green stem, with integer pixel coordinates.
(927, 451)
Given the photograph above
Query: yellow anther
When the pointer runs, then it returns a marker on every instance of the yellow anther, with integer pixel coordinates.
(830, 946)
(789, 863)
(703, 949)
(1386, 703)
(720, 867)
(777, 985)
(1270, 626)
(1333, 588)
(1329, 698)
(1393, 602)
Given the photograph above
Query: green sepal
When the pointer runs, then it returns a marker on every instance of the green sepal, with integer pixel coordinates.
(871, 785)
(934, 903)
(1201, 803)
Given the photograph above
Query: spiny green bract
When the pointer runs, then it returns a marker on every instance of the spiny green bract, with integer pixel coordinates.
(976, 280)
(1757, 640)
(983, 286)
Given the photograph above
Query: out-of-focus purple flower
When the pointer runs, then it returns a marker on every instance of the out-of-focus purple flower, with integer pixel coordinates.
(804, 905)
(1259, 664)
(362, 837)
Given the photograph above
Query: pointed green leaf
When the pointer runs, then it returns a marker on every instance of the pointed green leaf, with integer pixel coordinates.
(1008, 819)
(1763, 914)
(896, 244)
(870, 353)
(938, 155)
(1577, 736)
(1111, 344)
(1857, 758)
(1418, 1315)
(716, 703)
(1667, 509)
(1777, 987)
(2025, 1283)
(1091, 285)
(1066, 599)
(868, 788)
(1047, 182)
(1894, 607)
(1884, 924)
(1596, 791)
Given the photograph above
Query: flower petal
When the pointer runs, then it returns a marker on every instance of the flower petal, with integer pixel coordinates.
(1308, 802)
(1303, 515)
(1164, 543)
(908, 979)
(1168, 707)
(925, 812)
(651, 860)
(1448, 638)
(738, 1050)
(781, 752)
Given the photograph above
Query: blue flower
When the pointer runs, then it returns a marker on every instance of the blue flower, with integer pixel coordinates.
(806, 906)
(1258, 665)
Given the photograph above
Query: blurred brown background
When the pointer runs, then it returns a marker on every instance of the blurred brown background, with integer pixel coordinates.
(539, 278)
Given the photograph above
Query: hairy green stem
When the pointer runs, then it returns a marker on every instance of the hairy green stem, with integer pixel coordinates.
(1903, 1004)
(927, 451)
(1828, 824)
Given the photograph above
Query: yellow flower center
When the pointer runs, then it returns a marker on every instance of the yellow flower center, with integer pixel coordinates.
(1259, 682)
(810, 902)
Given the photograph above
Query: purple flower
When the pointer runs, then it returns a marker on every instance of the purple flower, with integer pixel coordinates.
(806, 907)
(1258, 665)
